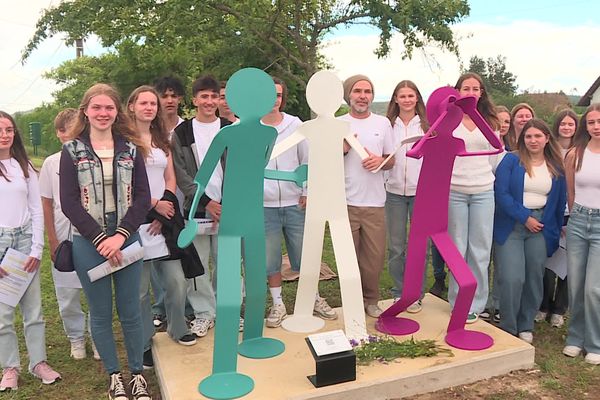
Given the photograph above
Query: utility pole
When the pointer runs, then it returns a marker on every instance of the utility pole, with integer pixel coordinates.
(78, 48)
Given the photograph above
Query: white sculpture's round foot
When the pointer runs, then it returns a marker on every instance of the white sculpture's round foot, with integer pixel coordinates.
(302, 323)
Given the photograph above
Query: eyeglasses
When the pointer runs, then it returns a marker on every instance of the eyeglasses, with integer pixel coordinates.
(7, 131)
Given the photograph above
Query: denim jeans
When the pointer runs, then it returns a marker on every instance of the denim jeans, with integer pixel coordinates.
(69, 308)
(100, 300)
(583, 270)
(171, 277)
(493, 301)
(470, 224)
(288, 221)
(158, 307)
(200, 291)
(398, 211)
(521, 273)
(437, 263)
(31, 308)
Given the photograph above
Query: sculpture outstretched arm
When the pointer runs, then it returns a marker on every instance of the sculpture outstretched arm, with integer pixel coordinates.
(287, 144)
(416, 151)
(469, 106)
(355, 144)
(298, 176)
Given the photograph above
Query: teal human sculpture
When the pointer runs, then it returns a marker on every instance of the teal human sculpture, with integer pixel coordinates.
(250, 94)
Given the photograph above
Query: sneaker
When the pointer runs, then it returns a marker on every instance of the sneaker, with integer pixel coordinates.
(373, 310)
(277, 313)
(592, 358)
(571, 351)
(527, 337)
(78, 349)
(95, 351)
(438, 288)
(486, 315)
(415, 307)
(139, 387)
(187, 340)
(158, 320)
(496, 317)
(241, 327)
(557, 320)
(323, 310)
(472, 318)
(540, 316)
(189, 318)
(148, 361)
(200, 326)
(116, 388)
(10, 379)
(45, 372)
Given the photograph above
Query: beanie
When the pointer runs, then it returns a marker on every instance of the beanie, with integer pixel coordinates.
(351, 81)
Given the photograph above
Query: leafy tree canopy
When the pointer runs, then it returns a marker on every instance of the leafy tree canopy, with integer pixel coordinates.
(499, 82)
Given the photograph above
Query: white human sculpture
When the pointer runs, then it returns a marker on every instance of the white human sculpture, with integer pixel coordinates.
(326, 203)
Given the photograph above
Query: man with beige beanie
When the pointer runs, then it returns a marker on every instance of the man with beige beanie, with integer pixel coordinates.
(365, 191)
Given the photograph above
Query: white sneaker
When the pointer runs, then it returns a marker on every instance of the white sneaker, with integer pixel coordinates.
(373, 310)
(78, 349)
(95, 350)
(277, 313)
(527, 337)
(200, 326)
(571, 351)
(557, 320)
(540, 316)
(415, 307)
(592, 358)
(324, 310)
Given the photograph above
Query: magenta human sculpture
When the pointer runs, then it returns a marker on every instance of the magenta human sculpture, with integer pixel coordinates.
(445, 108)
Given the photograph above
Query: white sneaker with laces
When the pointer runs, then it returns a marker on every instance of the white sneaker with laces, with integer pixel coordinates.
(139, 387)
(116, 388)
(571, 351)
(277, 313)
(78, 349)
(373, 310)
(540, 316)
(592, 358)
(557, 320)
(200, 326)
(415, 307)
(323, 309)
(527, 337)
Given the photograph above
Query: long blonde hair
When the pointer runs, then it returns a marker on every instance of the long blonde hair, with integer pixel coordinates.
(122, 125)
(158, 132)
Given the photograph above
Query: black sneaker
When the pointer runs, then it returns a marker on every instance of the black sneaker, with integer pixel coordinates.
(438, 288)
(139, 387)
(486, 315)
(116, 388)
(187, 340)
(497, 316)
(158, 320)
(148, 360)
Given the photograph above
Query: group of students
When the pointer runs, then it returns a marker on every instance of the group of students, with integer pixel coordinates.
(513, 208)
(123, 166)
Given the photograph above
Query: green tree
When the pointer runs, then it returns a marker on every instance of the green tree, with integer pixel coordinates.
(185, 37)
(499, 82)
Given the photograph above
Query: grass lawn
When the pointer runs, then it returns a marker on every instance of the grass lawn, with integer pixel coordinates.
(555, 376)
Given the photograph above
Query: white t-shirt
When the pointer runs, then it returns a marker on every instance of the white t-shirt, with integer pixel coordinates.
(587, 181)
(537, 187)
(156, 164)
(50, 189)
(473, 174)
(364, 188)
(21, 203)
(204, 133)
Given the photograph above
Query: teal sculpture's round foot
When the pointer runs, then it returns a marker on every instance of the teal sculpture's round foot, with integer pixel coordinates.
(187, 235)
(226, 385)
(261, 347)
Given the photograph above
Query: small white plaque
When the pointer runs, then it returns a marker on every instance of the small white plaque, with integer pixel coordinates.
(330, 342)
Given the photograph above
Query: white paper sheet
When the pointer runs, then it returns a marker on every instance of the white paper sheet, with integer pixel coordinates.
(13, 286)
(131, 254)
(558, 262)
(330, 342)
(206, 226)
(155, 247)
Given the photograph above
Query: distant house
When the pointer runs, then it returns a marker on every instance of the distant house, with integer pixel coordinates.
(592, 95)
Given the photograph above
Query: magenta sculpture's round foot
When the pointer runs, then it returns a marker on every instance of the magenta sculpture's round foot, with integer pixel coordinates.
(469, 340)
(396, 325)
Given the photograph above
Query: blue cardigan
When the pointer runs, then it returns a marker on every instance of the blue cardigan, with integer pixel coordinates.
(510, 177)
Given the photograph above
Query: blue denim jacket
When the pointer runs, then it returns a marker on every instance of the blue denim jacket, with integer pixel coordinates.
(82, 192)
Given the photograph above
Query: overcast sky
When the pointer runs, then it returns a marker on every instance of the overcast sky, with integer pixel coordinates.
(549, 45)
